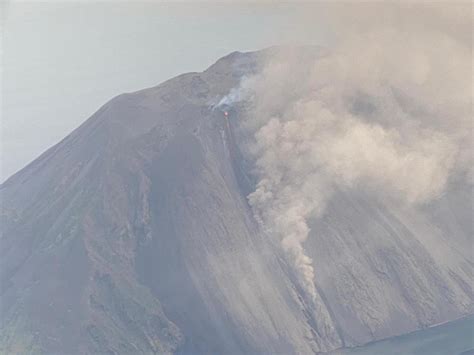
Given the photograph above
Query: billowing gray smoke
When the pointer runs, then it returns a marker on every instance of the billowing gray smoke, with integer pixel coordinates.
(386, 110)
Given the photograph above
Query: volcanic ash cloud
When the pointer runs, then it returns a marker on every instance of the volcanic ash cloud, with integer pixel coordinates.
(386, 110)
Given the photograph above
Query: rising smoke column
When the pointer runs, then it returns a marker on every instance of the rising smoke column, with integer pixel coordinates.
(387, 110)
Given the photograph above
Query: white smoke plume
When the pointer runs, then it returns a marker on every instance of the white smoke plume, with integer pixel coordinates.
(387, 109)
(235, 95)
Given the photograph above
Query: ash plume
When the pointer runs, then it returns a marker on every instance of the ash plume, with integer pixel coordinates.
(386, 109)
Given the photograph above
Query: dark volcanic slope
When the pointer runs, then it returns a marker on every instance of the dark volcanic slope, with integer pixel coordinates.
(134, 235)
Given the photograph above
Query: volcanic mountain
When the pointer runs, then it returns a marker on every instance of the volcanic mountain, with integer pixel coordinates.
(134, 235)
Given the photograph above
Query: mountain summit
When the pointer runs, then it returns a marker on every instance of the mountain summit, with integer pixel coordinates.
(134, 235)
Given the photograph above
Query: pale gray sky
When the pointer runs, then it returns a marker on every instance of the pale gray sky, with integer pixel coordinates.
(63, 60)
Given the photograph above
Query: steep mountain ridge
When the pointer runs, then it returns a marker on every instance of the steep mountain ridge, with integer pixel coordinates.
(134, 234)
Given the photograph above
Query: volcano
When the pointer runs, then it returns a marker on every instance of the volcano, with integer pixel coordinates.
(134, 235)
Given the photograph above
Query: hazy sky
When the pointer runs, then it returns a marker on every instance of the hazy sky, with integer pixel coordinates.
(63, 60)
